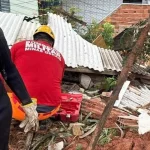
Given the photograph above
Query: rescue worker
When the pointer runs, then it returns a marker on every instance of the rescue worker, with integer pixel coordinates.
(41, 67)
(13, 79)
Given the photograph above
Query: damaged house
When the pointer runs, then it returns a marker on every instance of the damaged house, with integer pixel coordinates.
(86, 60)
(80, 56)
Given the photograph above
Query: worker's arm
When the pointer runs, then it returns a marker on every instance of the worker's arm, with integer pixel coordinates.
(11, 74)
(14, 80)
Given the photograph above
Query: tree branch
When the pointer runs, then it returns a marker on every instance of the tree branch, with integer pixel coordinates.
(121, 79)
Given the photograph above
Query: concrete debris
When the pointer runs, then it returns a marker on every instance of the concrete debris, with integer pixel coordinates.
(86, 81)
(81, 90)
(75, 87)
(76, 130)
(92, 93)
(86, 97)
(65, 87)
(144, 123)
(73, 124)
(106, 94)
(56, 146)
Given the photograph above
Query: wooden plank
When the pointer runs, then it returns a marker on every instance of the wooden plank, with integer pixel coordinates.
(100, 42)
(142, 76)
(86, 70)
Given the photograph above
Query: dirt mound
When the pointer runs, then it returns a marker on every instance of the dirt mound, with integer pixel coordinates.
(131, 141)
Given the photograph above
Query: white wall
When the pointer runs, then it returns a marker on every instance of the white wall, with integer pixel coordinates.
(25, 7)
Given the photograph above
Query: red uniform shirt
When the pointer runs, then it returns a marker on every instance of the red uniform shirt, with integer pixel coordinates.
(41, 68)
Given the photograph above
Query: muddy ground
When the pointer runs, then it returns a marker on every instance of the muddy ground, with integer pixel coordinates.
(131, 140)
(111, 138)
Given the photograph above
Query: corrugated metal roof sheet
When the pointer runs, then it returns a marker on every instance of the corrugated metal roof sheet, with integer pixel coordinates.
(11, 24)
(135, 97)
(79, 52)
(75, 50)
(111, 59)
(140, 70)
(26, 31)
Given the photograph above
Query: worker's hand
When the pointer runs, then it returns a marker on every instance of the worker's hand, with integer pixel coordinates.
(31, 119)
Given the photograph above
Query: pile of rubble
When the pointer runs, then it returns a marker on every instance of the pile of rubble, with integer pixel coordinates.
(56, 135)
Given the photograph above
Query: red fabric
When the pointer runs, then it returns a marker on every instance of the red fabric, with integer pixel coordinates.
(41, 68)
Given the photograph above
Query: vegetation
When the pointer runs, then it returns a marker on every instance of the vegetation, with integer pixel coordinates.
(89, 32)
(46, 6)
(129, 38)
(106, 30)
(79, 147)
(107, 34)
(106, 136)
(73, 11)
(108, 84)
(92, 31)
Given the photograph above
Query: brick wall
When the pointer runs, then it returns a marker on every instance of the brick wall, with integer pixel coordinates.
(127, 15)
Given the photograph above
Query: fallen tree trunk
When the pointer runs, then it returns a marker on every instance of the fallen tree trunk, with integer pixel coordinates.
(121, 79)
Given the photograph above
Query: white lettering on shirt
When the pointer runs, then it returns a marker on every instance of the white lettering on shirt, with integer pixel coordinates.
(35, 46)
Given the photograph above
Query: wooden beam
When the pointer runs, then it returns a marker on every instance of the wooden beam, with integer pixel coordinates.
(142, 76)
(86, 70)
